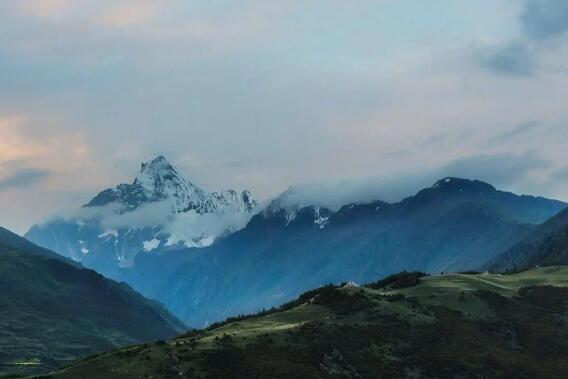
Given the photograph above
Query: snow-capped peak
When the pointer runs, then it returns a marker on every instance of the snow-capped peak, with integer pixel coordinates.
(160, 181)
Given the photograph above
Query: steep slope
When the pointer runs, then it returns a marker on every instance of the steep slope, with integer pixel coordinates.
(159, 211)
(53, 312)
(547, 245)
(449, 326)
(455, 225)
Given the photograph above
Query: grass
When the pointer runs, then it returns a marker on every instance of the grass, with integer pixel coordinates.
(476, 325)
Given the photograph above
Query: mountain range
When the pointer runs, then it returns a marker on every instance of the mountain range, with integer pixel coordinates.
(53, 311)
(455, 225)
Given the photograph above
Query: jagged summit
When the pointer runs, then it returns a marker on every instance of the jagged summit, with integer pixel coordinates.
(158, 180)
(161, 181)
(157, 167)
(173, 212)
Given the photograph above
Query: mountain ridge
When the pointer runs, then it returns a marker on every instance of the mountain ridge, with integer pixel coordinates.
(280, 253)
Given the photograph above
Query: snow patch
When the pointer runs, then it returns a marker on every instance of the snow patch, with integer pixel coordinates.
(351, 284)
(320, 220)
(151, 245)
(109, 233)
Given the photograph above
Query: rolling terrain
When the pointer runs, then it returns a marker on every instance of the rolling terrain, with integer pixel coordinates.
(405, 326)
(53, 311)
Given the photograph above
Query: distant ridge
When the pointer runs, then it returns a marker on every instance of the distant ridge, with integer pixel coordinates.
(454, 225)
(547, 245)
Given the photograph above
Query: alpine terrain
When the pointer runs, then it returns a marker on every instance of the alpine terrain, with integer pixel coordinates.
(456, 224)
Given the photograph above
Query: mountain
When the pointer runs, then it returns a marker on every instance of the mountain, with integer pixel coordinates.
(53, 311)
(407, 326)
(547, 245)
(454, 225)
(160, 210)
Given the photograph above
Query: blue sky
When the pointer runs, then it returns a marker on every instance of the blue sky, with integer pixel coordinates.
(263, 94)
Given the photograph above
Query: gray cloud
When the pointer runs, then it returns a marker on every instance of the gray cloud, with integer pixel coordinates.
(261, 95)
(518, 131)
(560, 174)
(499, 169)
(397, 154)
(542, 19)
(513, 59)
(23, 178)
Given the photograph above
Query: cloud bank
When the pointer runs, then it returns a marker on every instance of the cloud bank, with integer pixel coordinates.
(261, 95)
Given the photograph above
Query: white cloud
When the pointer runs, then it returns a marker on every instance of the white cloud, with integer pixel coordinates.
(295, 91)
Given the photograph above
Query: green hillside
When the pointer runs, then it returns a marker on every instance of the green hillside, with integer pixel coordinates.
(52, 313)
(458, 325)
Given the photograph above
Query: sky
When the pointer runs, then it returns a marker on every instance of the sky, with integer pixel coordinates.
(373, 96)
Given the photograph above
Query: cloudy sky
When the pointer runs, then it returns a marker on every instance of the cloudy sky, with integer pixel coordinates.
(262, 94)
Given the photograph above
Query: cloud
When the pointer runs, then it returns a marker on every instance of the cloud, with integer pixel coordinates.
(518, 131)
(190, 226)
(544, 19)
(24, 178)
(148, 215)
(499, 169)
(512, 59)
(262, 94)
(356, 191)
(540, 21)
(560, 174)
(182, 227)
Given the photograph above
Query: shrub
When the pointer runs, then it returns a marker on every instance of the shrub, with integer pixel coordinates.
(397, 281)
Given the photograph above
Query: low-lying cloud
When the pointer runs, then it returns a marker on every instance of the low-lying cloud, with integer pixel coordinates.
(501, 170)
(181, 227)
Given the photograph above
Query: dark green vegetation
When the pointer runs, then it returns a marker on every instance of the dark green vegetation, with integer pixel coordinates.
(397, 281)
(53, 312)
(449, 326)
(545, 246)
